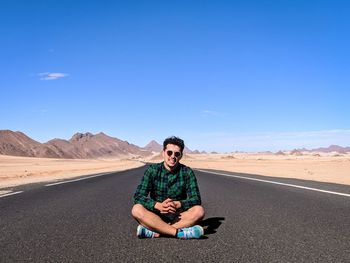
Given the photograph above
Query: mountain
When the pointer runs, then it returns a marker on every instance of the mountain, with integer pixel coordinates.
(64, 148)
(80, 146)
(19, 144)
(187, 150)
(153, 146)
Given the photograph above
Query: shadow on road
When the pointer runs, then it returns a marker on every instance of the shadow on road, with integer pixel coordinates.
(211, 224)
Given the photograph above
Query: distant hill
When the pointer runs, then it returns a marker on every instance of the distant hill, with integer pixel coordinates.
(332, 148)
(280, 153)
(80, 146)
(153, 146)
(296, 152)
(187, 150)
(156, 147)
(329, 149)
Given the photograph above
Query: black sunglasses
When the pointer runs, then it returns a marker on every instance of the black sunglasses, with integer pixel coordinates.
(170, 153)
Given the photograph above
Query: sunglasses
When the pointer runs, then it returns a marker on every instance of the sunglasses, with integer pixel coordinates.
(170, 153)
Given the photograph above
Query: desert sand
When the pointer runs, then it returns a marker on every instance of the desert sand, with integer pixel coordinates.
(322, 167)
(23, 170)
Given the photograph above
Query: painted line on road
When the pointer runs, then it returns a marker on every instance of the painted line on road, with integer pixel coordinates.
(13, 193)
(79, 179)
(278, 183)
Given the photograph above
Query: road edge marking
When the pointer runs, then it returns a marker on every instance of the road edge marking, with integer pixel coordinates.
(278, 183)
(13, 193)
(78, 179)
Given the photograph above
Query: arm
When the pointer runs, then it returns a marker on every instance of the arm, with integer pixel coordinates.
(142, 191)
(192, 191)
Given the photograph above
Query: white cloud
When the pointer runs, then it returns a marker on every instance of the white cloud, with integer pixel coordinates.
(52, 75)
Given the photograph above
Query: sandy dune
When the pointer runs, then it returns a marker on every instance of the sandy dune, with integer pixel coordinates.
(322, 167)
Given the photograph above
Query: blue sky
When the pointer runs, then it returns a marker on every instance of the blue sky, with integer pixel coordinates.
(223, 75)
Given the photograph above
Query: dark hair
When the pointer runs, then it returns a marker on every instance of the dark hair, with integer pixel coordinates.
(174, 140)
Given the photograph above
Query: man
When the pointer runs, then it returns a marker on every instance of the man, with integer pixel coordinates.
(167, 201)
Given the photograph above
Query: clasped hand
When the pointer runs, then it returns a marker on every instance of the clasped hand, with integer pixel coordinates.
(168, 206)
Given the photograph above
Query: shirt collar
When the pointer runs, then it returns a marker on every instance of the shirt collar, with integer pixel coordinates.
(170, 172)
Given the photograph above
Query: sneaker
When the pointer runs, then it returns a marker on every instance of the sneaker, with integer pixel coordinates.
(143, 232)
(190, 232)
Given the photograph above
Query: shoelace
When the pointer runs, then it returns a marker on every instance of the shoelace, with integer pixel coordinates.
(148, 233)
(189, 232)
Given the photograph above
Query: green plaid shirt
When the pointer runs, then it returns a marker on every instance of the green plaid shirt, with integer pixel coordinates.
(159, 184)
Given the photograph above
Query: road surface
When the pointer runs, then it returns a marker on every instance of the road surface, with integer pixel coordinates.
(246, 221)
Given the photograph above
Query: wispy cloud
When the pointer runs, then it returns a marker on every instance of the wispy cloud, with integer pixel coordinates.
(52, 75)
(209, 113)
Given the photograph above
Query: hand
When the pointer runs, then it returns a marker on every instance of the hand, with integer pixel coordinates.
(177, 204)
(168, 206)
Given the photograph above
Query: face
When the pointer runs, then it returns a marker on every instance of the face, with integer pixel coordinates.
(172, 155)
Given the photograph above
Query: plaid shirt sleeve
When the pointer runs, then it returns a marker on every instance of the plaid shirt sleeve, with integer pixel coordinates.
(192, 191)
(142, 191)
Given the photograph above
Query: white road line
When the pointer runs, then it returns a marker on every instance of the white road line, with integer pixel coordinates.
(13, 193)
(79, 179)
(273, 182)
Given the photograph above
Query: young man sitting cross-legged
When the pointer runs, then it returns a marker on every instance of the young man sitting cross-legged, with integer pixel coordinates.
(167, 202)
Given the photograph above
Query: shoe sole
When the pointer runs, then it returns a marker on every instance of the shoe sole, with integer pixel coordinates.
(202, 231)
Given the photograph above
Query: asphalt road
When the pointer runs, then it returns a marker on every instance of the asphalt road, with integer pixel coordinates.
(246, 221)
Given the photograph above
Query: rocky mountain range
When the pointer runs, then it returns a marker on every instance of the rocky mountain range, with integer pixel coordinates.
(80, 146)
(329, 149)
(89, 146)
